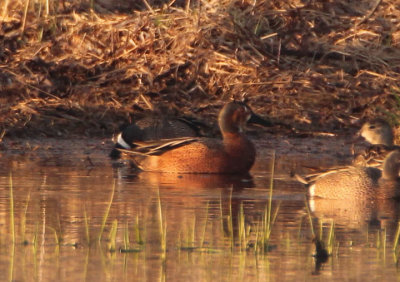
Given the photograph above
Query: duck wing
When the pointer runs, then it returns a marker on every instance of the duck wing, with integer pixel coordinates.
(373, 155)
(158, 147)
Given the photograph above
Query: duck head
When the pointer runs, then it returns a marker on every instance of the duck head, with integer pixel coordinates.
(377, 132)
(235, 115)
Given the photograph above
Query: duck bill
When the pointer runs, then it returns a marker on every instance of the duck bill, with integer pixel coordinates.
(256, 119)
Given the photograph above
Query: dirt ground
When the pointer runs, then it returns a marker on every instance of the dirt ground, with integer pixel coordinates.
(320, 67)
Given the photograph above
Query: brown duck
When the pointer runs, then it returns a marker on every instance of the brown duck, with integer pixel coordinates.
(233, 154)
(360, 182)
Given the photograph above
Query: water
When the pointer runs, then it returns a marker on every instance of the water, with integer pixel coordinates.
(180, 228)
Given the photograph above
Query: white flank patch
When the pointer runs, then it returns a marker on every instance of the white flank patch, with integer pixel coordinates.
(312, 190)
(122, 142)
(311, 204)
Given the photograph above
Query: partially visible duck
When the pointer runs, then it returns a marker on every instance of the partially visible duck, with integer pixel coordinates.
(359, 182)
(155, 127)
(380, 135)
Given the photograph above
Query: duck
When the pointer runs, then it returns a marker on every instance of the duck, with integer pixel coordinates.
(160, 121)
(154, 127)
(359, 182)
(233, 154)
(379, 134)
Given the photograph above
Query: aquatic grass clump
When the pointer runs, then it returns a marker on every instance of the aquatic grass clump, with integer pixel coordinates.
(186, 238)
(243, 230)
(127, 242)
(127, 245)
(381, 242)
(331, 238)
(139, 235)
(187, 235)
(396, 237)
(263, 233)
(112, 237)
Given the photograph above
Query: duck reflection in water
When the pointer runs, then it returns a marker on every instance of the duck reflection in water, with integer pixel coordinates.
(198, 181)
(357, 215)
(321, 255)
(358, 197)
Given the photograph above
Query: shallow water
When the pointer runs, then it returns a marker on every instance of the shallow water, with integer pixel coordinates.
(180, 228)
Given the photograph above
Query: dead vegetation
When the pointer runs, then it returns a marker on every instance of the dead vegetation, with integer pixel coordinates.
(319, 65)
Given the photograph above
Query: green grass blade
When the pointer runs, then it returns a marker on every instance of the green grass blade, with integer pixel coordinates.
(12, 222)
(396, 237)
(105, 217)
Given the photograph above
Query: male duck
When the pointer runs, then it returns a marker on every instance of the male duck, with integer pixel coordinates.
(234, 154)
(153, 128)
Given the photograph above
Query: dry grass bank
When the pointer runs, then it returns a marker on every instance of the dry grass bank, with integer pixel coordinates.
(69, 69)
